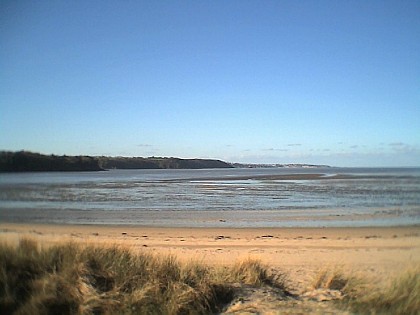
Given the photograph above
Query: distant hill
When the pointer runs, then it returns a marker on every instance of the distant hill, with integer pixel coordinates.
(294, 165)
(159, 163)
(25, 161)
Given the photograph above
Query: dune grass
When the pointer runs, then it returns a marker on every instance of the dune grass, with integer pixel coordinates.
(363, 296)
(75, 279)
(401, 296)
(72, 278)
(338, 279)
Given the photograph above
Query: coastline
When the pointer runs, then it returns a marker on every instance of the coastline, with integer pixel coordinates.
(301, 253)
(207, 219)
(234, 198)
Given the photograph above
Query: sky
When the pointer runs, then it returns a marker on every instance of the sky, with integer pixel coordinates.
(319, 82)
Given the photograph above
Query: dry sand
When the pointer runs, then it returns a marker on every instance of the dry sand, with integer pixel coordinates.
(298, 251)
(301, 253)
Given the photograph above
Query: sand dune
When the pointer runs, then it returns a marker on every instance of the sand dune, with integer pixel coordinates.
(299, 252)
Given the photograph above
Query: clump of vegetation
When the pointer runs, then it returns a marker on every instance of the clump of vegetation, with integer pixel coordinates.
(76, 279)
(336, 279)
(401, 296)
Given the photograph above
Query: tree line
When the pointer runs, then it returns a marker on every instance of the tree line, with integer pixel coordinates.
(26, 161)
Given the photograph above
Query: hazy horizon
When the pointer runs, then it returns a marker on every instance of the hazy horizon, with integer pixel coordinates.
(309, 82)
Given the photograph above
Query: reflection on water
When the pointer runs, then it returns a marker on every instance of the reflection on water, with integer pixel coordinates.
(264, 197)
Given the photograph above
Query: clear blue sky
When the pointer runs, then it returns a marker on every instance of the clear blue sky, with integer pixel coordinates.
(327, 82)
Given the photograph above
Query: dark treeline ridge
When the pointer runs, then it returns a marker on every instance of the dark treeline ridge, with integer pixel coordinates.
(25, 161)
(159, 163)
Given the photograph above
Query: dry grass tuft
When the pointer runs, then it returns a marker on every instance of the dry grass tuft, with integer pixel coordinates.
(401, 296)
(250, 272)
(337, 279)
(76, 279)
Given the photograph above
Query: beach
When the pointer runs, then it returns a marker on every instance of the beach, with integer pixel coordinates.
(300, 253)
(301, 227)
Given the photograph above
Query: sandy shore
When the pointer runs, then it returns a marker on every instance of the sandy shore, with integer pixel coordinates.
(299, 252)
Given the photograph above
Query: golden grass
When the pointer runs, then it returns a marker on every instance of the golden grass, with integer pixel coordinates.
(401, 296)
(75, 279)
(71, 278)
(337, 278)
(364, 296)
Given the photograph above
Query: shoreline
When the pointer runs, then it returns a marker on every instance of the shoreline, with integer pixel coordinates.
(286, 232)
(137, 226)
(272, 218)
(377, 252)
(62, 228)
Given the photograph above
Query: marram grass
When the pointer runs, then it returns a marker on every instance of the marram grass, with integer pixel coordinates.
(401, 296)
(76, 279)
(362, 296)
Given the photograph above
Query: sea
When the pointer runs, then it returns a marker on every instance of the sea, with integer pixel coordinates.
(238, 197)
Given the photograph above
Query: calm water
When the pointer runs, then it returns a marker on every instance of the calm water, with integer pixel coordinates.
(222, 197)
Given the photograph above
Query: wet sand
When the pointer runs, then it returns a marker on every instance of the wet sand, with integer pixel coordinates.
(217, 219)
(301, 253)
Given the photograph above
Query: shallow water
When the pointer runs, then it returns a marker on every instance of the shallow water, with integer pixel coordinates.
(218, 197)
